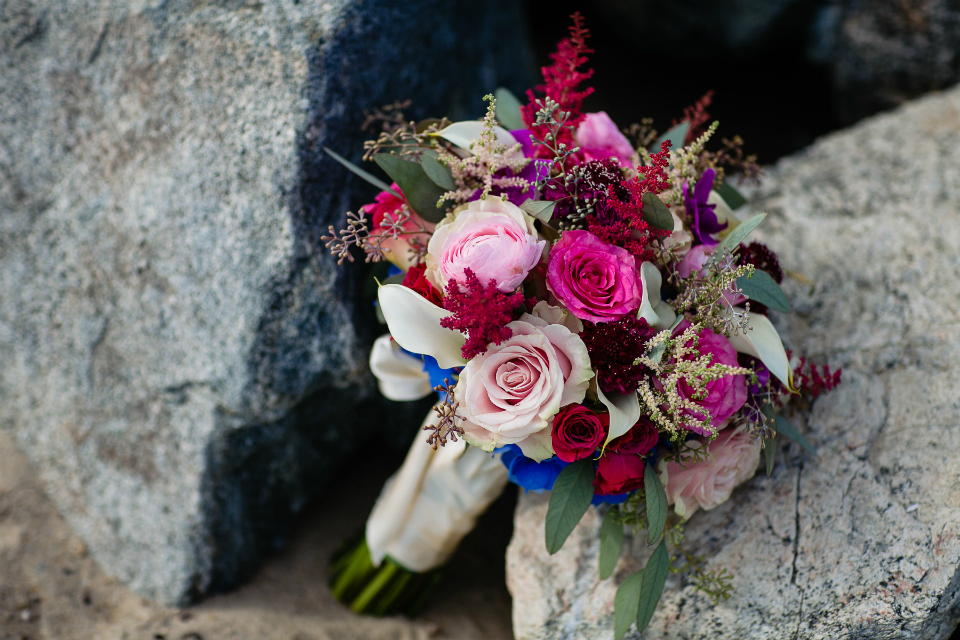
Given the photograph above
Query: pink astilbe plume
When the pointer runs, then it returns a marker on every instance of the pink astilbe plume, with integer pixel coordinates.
(481, 312)
(561, 82)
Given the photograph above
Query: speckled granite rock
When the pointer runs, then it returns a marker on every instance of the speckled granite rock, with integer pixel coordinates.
(864, 540)
(180, 358)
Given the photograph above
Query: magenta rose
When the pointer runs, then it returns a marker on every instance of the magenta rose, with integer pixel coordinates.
(596, 281)
(732, 459)
(578, 432)
(599, 138)
(621, 467)
(726, 395)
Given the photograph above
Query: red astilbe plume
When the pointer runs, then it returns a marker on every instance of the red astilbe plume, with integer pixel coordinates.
(813, 382)
(481, 312)
(619, 220)
(696, 114)
(613, 347)
(561, 83)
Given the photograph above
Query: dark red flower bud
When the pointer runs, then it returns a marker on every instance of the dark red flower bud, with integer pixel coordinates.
(578, 432)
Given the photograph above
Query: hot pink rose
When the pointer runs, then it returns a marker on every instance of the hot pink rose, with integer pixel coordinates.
(621, 467)
(515, 388)
(598, 138)
(724, 396)
(400, 248)
(492, 237)
(596, 281)
(732, 460)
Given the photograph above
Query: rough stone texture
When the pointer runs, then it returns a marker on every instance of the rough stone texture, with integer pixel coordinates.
(179, 353)
(883, 52)
(864, 540)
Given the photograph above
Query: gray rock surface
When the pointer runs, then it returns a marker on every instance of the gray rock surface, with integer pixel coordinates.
(181, 359)
(862, 541)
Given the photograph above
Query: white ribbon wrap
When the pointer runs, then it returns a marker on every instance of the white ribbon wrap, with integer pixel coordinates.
(432, 502)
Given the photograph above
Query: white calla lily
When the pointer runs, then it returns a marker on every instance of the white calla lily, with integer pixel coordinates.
(463, 134)
(414, 322)
(763, 342)
(624, 411)
(655, 311)
(399, 375)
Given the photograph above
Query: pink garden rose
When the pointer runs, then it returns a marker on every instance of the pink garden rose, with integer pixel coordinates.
(492, 237)
(732, 460)
(515, 388)
(724, 396)
(400, 249)
(596, 281)
(599, 138)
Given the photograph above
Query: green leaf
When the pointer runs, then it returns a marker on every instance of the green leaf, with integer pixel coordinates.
(731, 196)
(508, 109)
(736, 236)
(421, 192)
(770, 453)
(656, 504)
(375, 181)
(676, 135)
(655, 213)
(540, 209)
(762, 288)
(611, 542)
(572, 493)
(787, 429)
(625, 604)
(656, 354)
(438, 173)
(651, 586)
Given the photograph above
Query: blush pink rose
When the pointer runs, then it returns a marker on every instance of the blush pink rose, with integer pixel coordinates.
(599, 138)
(726, 395)
(515, 388)
(732, 460)
(492, 237)
(596, 281)
(400, 250)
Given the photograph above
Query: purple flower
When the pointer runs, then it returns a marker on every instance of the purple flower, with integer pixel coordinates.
(703, 215)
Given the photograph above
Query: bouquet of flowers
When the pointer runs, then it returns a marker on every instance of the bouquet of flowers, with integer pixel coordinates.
(588, 308)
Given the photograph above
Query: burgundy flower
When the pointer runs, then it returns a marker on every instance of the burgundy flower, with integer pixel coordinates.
(621, 468)
(578, 432)
(415, 279)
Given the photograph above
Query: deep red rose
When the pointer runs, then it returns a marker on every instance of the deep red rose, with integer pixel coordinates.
(414, 279)
(578, 432)
(621, 468)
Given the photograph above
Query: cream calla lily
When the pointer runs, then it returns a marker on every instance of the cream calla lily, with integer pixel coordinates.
(655, 311)
(465, 133)
(414, 323)
(624, 411)
(763, 342)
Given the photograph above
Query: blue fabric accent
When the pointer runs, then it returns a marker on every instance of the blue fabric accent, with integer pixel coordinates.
(540, 476)
(393, 270)
(432, 369)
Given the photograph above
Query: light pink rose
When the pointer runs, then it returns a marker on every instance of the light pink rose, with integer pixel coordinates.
(598, 139)
(514, 389)
(492, 237)
(732, 460)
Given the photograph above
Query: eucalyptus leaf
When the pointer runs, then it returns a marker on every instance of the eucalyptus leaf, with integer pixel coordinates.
(676, 135)
(611, 542)
(421, 193)
(571, 496)
(540, 209)
(762, 288)
(655, 213)
(738, 235)
(656, 504)
(656, 354)
(787, 429)
(651, 585)
(396, 278)
(770, 453)
(438, 173)
(731, 196)
(375, 181)
(508, 109)
(625, 604)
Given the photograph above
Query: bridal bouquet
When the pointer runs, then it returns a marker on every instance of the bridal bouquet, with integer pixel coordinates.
(594, 320)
